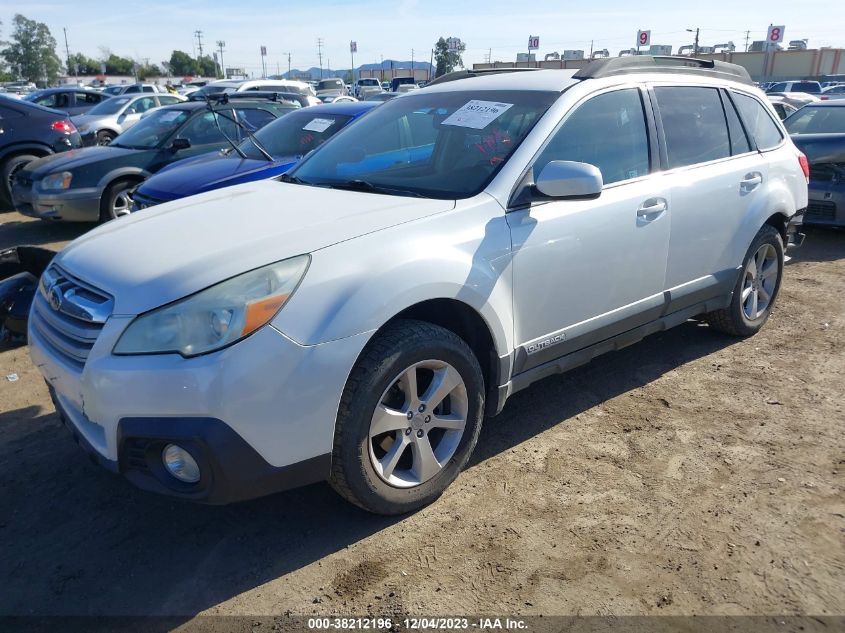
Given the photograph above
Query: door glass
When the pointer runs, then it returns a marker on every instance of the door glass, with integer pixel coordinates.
(201, 130)
(607, 131)
(739, 142)
(694, 125)
(758, 122)
(141, 106)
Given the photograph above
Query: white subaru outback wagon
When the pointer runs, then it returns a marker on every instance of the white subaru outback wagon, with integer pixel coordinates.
(356, 319)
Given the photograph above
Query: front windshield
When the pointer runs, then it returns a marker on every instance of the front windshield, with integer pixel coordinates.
(817, 120)
(152, 130)
(111, 105)
(295, 134)
(435, 144)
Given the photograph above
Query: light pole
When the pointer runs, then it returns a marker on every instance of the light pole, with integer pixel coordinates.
(220, 45)
(695, 44)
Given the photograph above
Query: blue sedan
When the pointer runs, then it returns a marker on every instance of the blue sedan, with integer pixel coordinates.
(285, 141)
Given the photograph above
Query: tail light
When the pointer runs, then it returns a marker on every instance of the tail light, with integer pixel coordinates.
(66, 127)
(805, 165)
(824, 98)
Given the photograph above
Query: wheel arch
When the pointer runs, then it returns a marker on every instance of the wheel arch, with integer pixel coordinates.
(25, 148)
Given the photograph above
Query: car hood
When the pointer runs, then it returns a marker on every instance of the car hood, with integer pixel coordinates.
(175, 249)
(821, 148)
(80, 120)
(75, 158)
(212, 173)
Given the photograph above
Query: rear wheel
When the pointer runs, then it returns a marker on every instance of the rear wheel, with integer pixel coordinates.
(409, 418)
(10, 167)
(756, 289)
(117, 201)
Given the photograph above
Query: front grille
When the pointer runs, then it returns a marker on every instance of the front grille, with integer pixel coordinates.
(69, 314)
(821, 210)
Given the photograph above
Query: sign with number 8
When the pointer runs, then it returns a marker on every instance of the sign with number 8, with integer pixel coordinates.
(775, 34)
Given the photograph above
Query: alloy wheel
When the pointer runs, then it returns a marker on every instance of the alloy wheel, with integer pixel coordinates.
(418, 423)
(759, 282)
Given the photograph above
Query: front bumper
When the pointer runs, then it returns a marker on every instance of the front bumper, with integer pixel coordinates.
(75, 205)
(826, 204)
(258, 416)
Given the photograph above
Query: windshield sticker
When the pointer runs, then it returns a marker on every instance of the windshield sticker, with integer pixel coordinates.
(477, 114)
(319, 125)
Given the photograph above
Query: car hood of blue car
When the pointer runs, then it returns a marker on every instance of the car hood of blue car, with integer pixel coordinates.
(210, 171)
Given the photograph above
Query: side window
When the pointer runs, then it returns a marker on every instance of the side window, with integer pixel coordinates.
(201, 130)
(147, 89)
(780, 110)
(781, 87)
(131, 89)
(88, 98)
(739, 141)
(168, 99)
(48, 101)
(254, 118)
(694, 125)
(758, 121)
(608, 131)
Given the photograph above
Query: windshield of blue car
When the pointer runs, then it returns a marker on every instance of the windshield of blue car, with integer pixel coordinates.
(446, 145)
(817, 120)
(152, 130)
(295, 134)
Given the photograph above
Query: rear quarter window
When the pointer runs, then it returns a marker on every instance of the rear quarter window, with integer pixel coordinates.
(758, 121)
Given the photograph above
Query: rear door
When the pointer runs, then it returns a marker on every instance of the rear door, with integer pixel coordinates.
(715, 176)
(586, 270)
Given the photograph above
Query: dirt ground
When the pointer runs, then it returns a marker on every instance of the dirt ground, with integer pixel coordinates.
(691, 473)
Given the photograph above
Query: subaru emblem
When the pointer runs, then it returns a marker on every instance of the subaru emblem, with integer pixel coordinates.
(55, 298)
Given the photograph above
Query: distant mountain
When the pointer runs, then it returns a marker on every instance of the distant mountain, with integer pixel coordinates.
(314, 71)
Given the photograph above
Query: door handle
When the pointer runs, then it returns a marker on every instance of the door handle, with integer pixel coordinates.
(651, 209)
(751, 181)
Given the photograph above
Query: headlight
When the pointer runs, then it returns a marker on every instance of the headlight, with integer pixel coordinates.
(217, 316)
(59, 180)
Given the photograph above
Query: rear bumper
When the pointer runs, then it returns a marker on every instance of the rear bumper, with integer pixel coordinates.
(231, 469)
(81, 205)
(826, 204)
(794, 238)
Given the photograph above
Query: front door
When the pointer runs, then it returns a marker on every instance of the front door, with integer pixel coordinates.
(586, 270)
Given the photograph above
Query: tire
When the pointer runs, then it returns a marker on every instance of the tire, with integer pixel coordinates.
(756, 289)
(116, 201)
(10, 167)
(369, 468)
(104, 137)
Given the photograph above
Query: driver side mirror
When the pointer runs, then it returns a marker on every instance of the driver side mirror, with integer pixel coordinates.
(121, 118)
(180, 144)
(569, 180)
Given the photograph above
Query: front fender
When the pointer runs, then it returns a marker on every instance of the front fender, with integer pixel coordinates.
(358, 285)
(122, 172)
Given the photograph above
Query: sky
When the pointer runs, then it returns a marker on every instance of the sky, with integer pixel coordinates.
(151, 29)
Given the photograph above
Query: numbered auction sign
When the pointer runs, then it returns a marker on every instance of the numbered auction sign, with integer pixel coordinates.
(643, 38)
(533, 42)
(775, 34)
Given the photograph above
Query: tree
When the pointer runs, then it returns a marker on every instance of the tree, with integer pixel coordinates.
(182, 64)
(206, 67)
(116, 65)
(86, 65)
(32, 51)
(446, 61)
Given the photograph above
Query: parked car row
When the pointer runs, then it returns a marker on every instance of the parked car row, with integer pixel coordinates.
(356, 317)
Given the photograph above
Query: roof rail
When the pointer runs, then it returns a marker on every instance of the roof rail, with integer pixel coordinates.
(468, 72)
(261, 95)
(662, 64)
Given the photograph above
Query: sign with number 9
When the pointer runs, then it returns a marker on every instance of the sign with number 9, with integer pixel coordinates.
(643, 38)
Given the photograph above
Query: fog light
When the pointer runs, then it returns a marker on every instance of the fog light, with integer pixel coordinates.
(180, 464)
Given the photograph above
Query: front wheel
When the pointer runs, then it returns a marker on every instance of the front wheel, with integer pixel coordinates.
(756, 289)
(105, 137)
(8, 170)
(117, 201)
(409, 418)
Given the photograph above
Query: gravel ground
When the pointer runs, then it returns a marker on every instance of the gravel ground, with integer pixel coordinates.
(692, 473)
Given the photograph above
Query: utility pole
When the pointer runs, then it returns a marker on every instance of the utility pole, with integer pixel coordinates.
(198, 35)
(747, 37)
(288, 65)
(320, 54)
(591, 49)
(412, 64)
(220, 45)
(67, 49)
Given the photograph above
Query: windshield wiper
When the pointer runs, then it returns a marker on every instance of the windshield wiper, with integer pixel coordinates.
(293, 179)
(214, 115)
(364, 185)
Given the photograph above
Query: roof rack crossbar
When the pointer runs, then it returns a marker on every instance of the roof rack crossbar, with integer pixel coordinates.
(599, 68)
